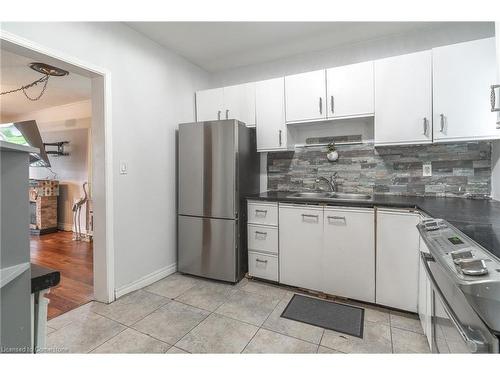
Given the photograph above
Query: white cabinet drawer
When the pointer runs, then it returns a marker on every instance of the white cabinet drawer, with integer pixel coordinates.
(263, 213)
(262, 238)
(263, 266)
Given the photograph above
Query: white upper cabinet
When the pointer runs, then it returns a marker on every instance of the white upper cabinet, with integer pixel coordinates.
(209, 104)
(233, 102)
(462, 77)
(350, 90)
(403, 99)
(349, 238)
(239, 103)
(270, 115)
(305, 96)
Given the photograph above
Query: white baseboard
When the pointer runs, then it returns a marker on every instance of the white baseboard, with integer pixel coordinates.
(146, 280)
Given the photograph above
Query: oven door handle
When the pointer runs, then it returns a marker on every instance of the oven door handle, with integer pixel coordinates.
(475, 345)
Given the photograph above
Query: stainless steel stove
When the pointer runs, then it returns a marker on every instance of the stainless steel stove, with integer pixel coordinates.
(465, 281)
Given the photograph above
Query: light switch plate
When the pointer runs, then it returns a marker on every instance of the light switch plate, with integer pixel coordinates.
(427, 170)
(123, 167)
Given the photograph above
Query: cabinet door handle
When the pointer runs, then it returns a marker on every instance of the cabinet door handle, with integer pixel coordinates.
(332, 218)
(227, 114)
(336, 217)
(279, 136)
(261, 233)
(264, 212)
(441, 122)
(260, 260)
(304, 216)
(332, 104)
(425, 126)
(493, 99)
(320, 106)
(218, 115)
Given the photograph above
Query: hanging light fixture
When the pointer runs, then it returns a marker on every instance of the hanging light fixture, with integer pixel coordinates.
(47, 71)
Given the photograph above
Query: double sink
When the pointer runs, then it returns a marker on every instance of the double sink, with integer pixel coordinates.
(330, 196)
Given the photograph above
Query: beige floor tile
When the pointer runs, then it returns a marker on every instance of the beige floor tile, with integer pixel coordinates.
(50, 330)
(207, 295)
(376, 339)
(325, 350)
(292, 328)
(170, 322)
(271, 342)
(78, 314)
(83, 335)
(131, 307)
(172, 286)
(131, 341)
(404, 341)
(264, 289)
(218, 334)
(248, 307)
(242, 283)
(376, 314)
(407, 321)
(176, 350)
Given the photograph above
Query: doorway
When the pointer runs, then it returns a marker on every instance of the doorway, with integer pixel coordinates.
(86, 265)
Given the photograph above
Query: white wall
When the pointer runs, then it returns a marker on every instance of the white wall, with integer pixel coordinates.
(152, 91)
(369, 50)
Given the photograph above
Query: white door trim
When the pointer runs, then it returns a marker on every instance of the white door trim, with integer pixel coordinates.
(103, 291)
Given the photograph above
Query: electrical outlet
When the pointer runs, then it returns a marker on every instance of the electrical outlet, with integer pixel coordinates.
(427, 170)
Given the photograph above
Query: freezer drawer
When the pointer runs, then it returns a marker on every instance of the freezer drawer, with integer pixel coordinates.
(207, 248)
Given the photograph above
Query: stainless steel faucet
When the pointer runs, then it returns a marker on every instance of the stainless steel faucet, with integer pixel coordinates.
(332, 184)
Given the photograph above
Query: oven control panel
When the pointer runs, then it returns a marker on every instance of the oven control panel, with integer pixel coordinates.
(468, 261)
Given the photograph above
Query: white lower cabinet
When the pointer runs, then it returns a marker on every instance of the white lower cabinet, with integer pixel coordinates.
(397, 259)
(359, 253)
(263, 213)
(262, 240)
(301, 242)
(348, 265)
(263, 266)
(424, 297)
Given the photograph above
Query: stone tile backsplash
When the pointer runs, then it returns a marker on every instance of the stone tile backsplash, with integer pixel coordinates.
(458, 169)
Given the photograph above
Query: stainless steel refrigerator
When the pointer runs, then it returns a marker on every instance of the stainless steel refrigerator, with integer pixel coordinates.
(218, 165)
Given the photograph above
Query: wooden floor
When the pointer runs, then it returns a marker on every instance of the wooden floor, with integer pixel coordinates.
(74, 260)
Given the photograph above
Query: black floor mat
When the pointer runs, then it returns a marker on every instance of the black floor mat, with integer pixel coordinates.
(326, 314)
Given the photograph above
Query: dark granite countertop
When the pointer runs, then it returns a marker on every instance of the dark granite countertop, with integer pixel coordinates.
(43, 278)
(478, 219)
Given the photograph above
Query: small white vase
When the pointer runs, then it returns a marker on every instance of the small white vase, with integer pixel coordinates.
(332, 156)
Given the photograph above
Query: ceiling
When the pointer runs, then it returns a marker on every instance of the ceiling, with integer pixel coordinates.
(15, 72)
(216, 46)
